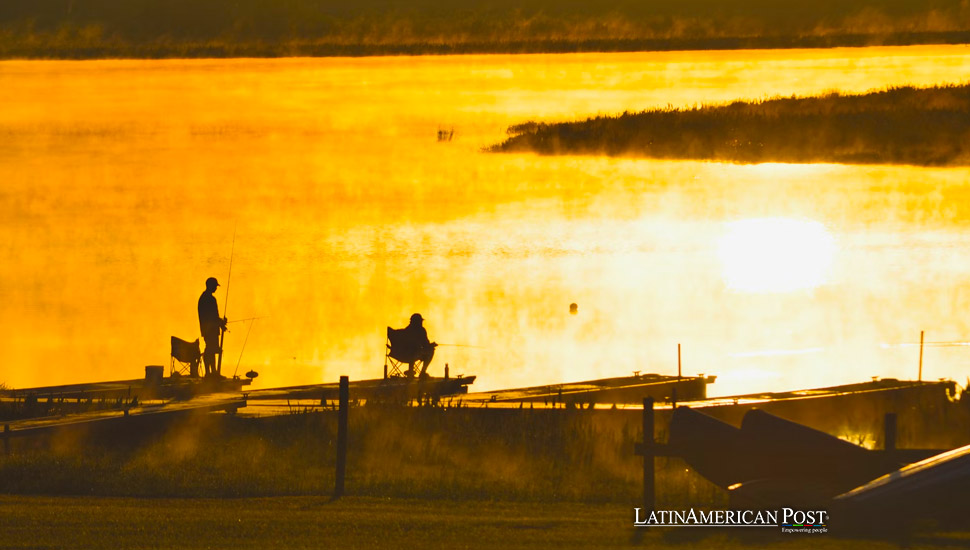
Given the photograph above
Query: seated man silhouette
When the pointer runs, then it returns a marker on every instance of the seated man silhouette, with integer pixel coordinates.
(410, 345)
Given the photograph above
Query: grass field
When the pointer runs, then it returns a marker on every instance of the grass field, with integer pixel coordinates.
(238, 28)
(926, 126)
(355, 522)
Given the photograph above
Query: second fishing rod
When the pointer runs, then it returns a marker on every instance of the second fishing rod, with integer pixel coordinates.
(225, 306)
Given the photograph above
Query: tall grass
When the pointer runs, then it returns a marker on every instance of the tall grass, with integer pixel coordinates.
(172, 28)
(579, 455)
(541, 455)
(906, 125)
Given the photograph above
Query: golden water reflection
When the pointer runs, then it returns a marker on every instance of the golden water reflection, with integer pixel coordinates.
(123, 181)
(775, 255)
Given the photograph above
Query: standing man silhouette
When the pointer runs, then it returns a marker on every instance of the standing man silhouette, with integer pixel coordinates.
(211, 325)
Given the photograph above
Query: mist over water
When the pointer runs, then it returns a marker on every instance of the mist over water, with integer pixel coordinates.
(123, 183)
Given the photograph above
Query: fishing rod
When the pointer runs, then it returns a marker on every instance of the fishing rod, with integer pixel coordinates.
(927, 344)
(462, 346)
(243, 320)
(225, 305)
(253, 322)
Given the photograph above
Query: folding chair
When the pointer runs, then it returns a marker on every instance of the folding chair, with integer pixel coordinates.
(401, 353)
(187, 356)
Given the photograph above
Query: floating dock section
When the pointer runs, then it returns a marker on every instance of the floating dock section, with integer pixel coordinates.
(628, 390)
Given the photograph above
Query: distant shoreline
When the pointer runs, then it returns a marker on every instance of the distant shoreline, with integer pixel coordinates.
(14, 46)
(76, 29)
(906, 125)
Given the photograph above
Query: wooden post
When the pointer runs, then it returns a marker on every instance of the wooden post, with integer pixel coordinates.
(338, 489)
(920, 379)
(6, 439)
(649, 496)
(678, 362)
(889, 426)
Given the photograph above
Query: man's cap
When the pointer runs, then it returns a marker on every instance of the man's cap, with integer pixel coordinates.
(417, 317)
(211, 281)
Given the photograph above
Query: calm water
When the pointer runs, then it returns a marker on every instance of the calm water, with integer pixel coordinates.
(123, 183)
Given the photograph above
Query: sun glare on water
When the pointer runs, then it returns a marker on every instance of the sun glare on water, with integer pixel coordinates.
(768, 255)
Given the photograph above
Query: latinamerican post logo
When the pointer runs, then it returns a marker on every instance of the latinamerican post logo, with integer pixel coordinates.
(788, 520)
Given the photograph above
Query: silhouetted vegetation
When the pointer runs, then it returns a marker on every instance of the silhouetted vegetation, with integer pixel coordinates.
(926, 126)
(580, 455)
(541, 455)
(225, 28)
